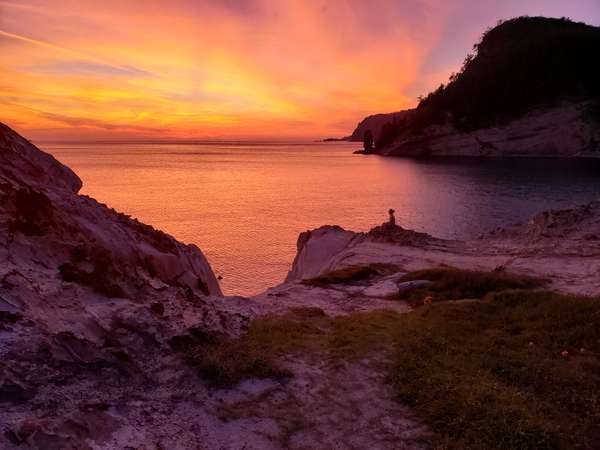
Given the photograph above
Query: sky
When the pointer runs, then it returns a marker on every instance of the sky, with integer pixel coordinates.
(233, 69)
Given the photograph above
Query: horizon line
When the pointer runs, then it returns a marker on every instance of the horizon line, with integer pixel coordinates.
(291, 141)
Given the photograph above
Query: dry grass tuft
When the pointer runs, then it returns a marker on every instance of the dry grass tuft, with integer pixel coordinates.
(351, 274)
(449, 283)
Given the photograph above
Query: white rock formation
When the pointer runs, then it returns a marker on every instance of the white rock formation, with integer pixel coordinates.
(563, 246)
(315, 248)
(564, 131)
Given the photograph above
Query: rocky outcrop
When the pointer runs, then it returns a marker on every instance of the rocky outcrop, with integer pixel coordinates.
(315, 249)
(562, 246)
(563, 131)
(98, 316)
(90, 302)
(24, 164)
(43, 219)
(497, 105)
(374, 123)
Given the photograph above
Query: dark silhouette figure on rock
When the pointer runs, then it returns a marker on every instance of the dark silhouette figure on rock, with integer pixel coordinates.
(392, 221)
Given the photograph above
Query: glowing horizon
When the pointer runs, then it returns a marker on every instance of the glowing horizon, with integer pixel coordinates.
(235, 68)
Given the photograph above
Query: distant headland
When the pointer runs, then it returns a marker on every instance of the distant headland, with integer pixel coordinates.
(528, 89)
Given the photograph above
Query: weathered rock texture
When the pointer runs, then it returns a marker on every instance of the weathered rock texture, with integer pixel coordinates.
(562, 246)
(563, 131)
(94, 305)
(89, 299)
(314, 248)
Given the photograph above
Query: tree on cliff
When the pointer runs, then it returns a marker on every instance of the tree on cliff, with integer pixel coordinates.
(368, 141)
(519, 65)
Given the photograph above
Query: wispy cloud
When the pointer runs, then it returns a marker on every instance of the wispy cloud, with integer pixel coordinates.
(234, 67)
(78, 67)
(95, 123)
(82, 63)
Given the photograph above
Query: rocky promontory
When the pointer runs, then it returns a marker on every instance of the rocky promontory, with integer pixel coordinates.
(527, 90)
(90, 300)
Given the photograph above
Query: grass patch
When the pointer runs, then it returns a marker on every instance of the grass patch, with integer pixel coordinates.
(490, 374)
(226, 362)
(448, 283)
(351, 274)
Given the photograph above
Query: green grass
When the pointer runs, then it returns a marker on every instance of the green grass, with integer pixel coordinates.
(226, 362)
(351, 274)
(488, 374)
(449, 283)
(256, 354)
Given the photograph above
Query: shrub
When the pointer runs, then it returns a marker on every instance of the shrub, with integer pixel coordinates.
(453, 284)
(102, 275)
(351, 274)
(519, 65)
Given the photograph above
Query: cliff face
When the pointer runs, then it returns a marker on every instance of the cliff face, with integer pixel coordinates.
(529, 89)
(90, 300)
(562, 131)
(81, 240)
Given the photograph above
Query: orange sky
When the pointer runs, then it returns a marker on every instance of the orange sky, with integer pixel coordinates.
(150, 69)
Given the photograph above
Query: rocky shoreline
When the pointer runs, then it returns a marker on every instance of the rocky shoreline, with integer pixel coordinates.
(564, 131)
(95, 308)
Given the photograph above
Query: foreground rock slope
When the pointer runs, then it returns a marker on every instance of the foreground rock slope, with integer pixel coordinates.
(89, 299)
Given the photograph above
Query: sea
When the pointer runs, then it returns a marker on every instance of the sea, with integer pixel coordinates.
(244, 203)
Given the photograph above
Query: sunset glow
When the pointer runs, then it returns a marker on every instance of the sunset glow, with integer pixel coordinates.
(233, 68)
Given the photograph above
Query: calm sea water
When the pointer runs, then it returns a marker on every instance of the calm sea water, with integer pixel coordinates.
(244, 204)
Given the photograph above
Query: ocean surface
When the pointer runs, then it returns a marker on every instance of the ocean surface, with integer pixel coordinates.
(244, 204)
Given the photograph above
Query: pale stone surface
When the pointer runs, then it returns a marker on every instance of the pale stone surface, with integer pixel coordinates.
(562, 131)
(311, 259)
(563, 246)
